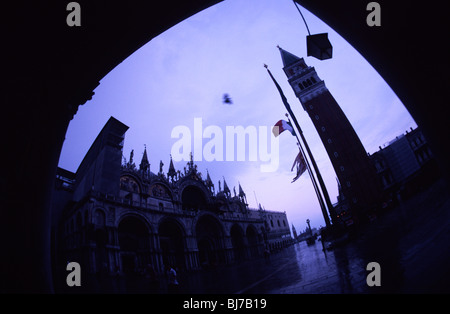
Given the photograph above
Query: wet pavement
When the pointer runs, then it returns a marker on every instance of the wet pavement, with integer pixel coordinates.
(411, 243)
(295, 269)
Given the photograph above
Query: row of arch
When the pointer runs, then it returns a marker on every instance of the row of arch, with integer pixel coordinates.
(192, 197)
(132, 244)
(306, 83)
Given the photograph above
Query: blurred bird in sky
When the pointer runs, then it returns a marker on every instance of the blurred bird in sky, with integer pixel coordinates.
(227, 100)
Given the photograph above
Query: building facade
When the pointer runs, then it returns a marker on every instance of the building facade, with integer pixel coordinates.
(351, 164)
(115, 216)
(405, 164)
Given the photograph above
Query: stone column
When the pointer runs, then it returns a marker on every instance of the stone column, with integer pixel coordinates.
(38, 113)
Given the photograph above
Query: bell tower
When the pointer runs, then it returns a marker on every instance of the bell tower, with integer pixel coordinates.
(353, 168)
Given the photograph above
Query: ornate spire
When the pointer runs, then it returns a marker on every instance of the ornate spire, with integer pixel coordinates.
(131, 156)
(208, 178)
(209, 182)
(171, 173)
(191, 161)
(144, 165)
(241, 191)
(226, 190)
(242, 195)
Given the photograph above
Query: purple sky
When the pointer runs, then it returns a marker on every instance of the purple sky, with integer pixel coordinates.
(183, 73)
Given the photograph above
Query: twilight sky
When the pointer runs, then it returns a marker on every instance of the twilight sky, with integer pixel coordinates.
(180, 77)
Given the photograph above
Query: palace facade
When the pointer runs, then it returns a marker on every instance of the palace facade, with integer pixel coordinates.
(113, 216)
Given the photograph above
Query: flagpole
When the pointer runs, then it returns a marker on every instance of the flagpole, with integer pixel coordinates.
(319, 176)
(316, 169)
(311, 174)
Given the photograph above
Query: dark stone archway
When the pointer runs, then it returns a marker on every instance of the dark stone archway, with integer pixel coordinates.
(172, 243)
(210, 237)
(237, 240)
(134, 242)
(44, 89)
(253, 241)
(193, 198)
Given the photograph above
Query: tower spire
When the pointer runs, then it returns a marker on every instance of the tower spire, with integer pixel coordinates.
(287, 57)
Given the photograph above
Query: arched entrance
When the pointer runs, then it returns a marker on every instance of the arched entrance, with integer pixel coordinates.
(209, 234)
(252, 239)
(171, 243)
(134, 242)
(237, 240)
(193, 198)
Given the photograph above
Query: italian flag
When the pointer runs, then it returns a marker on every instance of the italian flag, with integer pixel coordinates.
(282, 126)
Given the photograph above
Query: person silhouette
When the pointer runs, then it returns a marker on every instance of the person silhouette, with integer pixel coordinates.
(173, 285)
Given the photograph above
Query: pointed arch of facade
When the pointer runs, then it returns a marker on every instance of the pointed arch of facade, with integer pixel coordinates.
(172, 243)
(250, 230)
(133, 214)
(175, 221)
(253, 240)
(168, 189)
(132, 176)
(237, 235)
(207, 215)
(133, 237)
(202, 195)
(197, 183)
(99, 217)
(237, 228)
(209, 234)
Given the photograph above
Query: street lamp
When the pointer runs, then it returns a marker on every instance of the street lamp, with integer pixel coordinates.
(317, 45)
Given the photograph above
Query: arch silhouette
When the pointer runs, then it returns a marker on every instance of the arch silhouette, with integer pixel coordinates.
(210, 233)
(172, 241)
(46, 87)
(237, 241)
(133, 236)
(193, 198)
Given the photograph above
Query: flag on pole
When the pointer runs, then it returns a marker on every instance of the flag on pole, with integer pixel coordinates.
(301, 166)
(282, 126)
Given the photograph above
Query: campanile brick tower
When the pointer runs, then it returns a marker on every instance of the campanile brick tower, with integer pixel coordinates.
(356, 175)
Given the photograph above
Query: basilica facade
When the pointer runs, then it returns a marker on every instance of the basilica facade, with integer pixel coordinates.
(113, 216)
